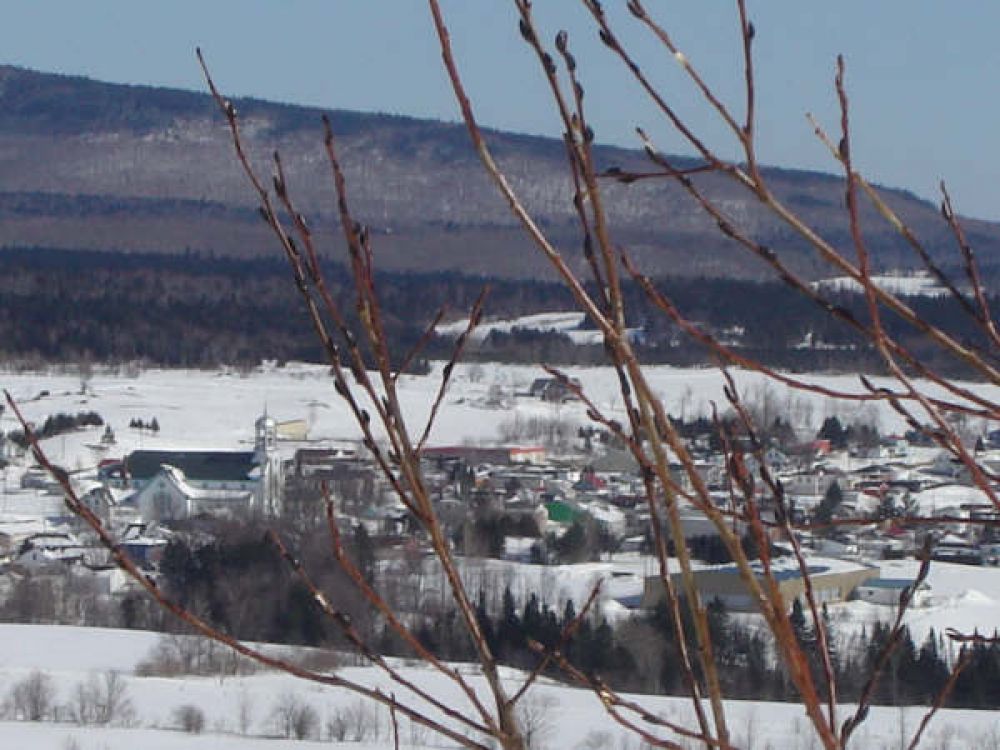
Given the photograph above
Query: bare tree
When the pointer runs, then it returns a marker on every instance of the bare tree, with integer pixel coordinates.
(32, 698)
(537, 713)
(102, 700)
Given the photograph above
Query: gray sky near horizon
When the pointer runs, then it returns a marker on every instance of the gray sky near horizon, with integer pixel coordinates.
(922, 74)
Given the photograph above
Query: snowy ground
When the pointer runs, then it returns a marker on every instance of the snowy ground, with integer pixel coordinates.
(906, 285)
(567, 323)
(572, 718)
(963, 597)
(217, 409)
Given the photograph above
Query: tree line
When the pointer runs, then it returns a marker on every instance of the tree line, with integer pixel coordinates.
(194, 310)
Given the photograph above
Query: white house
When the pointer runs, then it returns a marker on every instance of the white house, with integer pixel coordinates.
(50, 548)
(887, 591)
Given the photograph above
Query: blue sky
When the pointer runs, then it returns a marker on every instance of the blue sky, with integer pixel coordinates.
(922, 74)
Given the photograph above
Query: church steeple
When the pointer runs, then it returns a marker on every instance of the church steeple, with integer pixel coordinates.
(265, 437)
(268, 462)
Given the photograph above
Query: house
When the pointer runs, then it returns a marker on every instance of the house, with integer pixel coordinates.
(293, 430)
(109, 581)
(15, 529)
(49, 548)
(144, 544)
(100, 499)
(953, 548)
(553, 389)
(335, 462)
(170, 496)
(476, 455)
(608, 517)
(560, 512)
(694, 522)
(887, 591)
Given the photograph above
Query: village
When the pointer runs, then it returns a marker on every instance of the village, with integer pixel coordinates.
(573, 497)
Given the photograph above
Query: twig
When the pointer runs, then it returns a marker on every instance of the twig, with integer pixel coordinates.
(125, 563)
(456, 353)
(350, 632)
(895, 635)
(568, 631)
(939, 700)
(615, 703)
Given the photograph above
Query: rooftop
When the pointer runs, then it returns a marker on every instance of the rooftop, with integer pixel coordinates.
(217, 466)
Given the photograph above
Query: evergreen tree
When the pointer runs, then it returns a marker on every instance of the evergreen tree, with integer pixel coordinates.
(510, 633)
(833, 431)
(485, 623)
(364, 552)
(828, 506)
(800, 627)
(831, 640)
(532, 619)
(719, 631)
(931, 670)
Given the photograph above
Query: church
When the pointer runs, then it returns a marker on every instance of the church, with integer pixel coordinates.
(175, 485)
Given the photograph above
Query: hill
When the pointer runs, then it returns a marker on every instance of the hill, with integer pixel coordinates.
(91, 165)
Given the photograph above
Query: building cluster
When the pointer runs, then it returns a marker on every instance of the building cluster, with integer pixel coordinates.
(519, 502)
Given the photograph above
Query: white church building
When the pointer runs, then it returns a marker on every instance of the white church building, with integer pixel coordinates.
(181, 484)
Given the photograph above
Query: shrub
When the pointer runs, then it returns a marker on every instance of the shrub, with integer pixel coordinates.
(189, 718)
(294, 718)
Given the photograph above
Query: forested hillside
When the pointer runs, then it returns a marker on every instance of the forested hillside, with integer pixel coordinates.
(89, 165)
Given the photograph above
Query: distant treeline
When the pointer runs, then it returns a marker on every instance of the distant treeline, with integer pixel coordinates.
(194, 310)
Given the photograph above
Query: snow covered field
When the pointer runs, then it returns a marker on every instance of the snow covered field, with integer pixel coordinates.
(963, 597)
(233, 706)
(567, 323)
(198, 409)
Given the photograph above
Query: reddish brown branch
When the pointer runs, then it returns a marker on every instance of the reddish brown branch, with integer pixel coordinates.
(474, 317)
(964, 660)
(568, 631)
(200, 626)
(895, 636)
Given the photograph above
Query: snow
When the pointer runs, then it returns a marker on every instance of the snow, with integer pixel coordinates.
(947, 499)
(964, 597)
(56, 647)
(567, 323)
(39, 736)
(216, 410)
(571, 716)
(906, 285)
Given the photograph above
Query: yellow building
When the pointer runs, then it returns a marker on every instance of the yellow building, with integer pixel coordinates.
(833, 580)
